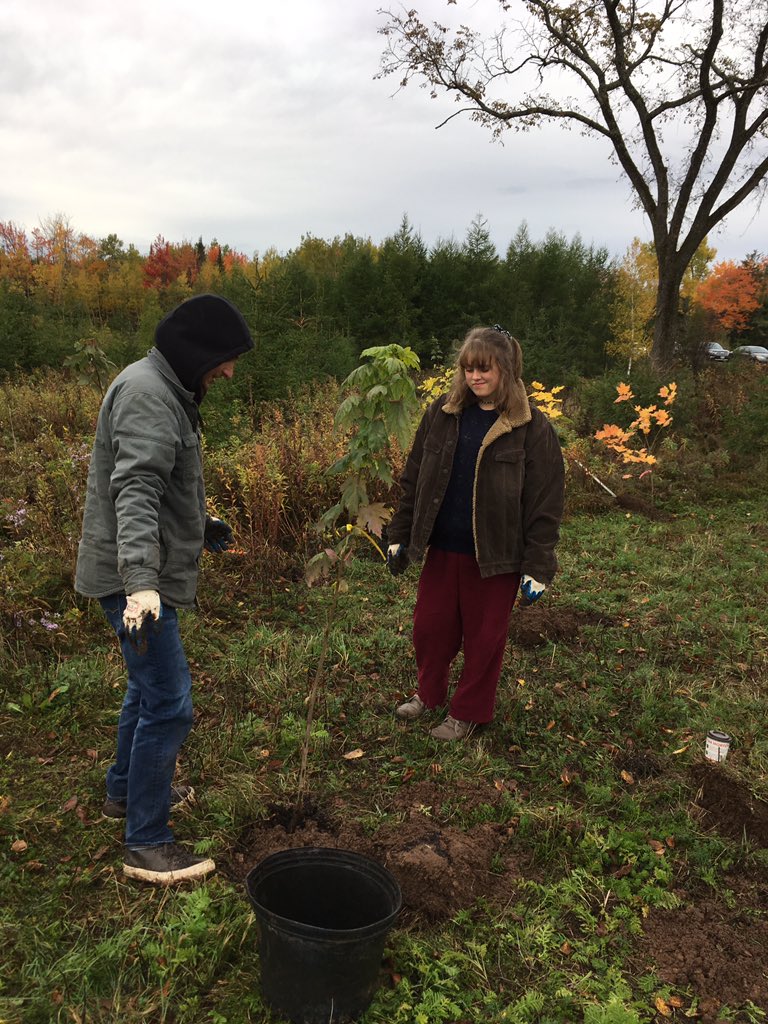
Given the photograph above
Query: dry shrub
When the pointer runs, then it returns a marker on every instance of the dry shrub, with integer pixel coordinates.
(273, 487)
(46, 400)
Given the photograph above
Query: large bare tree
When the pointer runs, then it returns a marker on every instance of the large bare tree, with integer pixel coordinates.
(644, 76)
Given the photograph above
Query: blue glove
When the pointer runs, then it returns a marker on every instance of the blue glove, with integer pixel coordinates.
(218, 535)
(397, 558)
(531, 589)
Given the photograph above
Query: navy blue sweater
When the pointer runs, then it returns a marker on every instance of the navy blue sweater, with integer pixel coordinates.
(453, 526)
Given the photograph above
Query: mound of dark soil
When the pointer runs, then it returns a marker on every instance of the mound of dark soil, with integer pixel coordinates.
(440, 868)
(713, 950)
(640, 505)
(728, 806)
(539, 624)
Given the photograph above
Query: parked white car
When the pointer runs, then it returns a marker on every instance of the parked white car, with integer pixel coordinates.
(754, 352)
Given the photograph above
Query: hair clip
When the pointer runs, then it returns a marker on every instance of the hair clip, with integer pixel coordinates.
(501, 330)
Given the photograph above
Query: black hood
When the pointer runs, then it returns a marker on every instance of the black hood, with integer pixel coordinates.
(198, 335)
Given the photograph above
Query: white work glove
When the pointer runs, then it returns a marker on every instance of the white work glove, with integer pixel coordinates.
(531, 589)
(397, 558)
(139, 608)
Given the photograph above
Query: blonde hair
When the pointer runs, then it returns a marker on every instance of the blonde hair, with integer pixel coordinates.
(486, 346)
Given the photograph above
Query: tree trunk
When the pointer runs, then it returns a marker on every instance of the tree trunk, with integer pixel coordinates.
(666, 318)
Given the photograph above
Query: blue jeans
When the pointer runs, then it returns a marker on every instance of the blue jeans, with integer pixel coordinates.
(154, 722)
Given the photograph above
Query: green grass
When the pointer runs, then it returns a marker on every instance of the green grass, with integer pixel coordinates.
(685, 652)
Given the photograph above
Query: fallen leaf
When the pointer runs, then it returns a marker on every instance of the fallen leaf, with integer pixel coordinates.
(566, 948)
(550, 724)
(435, 768)
(92, 754)
(5, 803)
(662, 1007)
(670, 841)
(628, 778)
(353, 755)
(657, 847)
(680, 750)
(565, 777)
(19, 845)
(675, 1001)
(70, 805)
(100, 853)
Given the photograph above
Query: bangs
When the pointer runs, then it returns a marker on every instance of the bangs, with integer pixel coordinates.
(476, 352)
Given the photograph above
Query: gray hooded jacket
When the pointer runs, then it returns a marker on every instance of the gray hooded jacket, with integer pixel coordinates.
(144, 519)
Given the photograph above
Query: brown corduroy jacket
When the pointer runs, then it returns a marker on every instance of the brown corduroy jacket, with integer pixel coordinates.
(517, 496)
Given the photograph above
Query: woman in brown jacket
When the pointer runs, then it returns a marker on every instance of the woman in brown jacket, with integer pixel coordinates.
(482, 494)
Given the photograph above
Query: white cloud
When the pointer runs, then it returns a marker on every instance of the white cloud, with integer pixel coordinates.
(257, 123)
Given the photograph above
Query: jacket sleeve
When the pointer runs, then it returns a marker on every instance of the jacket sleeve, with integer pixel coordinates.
(145, 439)
(399, 529)
(543, 499)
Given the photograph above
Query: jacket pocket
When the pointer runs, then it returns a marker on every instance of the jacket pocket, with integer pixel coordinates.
(511, 455)
(190, 457)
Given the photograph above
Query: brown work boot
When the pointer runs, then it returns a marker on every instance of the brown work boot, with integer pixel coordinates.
(413, 708)
(165, 864)
(452, 729)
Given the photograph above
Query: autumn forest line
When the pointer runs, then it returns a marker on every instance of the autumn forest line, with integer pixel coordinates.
(575, 309)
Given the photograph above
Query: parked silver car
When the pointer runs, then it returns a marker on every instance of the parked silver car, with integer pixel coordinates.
(754, 352)
(714, 350)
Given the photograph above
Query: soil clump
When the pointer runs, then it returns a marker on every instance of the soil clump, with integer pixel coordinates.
(441, 868)
(537, 624)
(728, 806)
(713, 949)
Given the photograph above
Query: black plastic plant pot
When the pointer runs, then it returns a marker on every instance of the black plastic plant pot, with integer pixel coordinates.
(323, 917)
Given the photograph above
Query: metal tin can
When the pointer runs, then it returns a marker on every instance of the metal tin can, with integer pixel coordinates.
(717, 745)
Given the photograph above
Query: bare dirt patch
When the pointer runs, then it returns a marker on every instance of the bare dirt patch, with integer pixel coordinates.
(715, 950)
(538, 624)
(441, 868)
(715, 947)
(728, 806)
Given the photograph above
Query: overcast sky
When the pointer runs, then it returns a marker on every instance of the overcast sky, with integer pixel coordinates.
(258, 122)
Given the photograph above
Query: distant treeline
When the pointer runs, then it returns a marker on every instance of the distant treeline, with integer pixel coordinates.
(313, 309)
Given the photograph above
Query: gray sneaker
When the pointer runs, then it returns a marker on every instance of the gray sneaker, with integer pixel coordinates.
(119, 808)
(165, 864)
(413, 708)
(452, 729)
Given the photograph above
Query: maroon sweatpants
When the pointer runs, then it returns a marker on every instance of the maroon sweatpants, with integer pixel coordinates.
(455, 603)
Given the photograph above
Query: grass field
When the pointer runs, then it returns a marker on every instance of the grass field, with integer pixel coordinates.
(578, 860)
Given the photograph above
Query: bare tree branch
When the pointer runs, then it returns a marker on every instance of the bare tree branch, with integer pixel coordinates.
(642, 73)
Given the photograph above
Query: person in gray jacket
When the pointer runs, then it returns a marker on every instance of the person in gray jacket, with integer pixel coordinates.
(144, 530)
